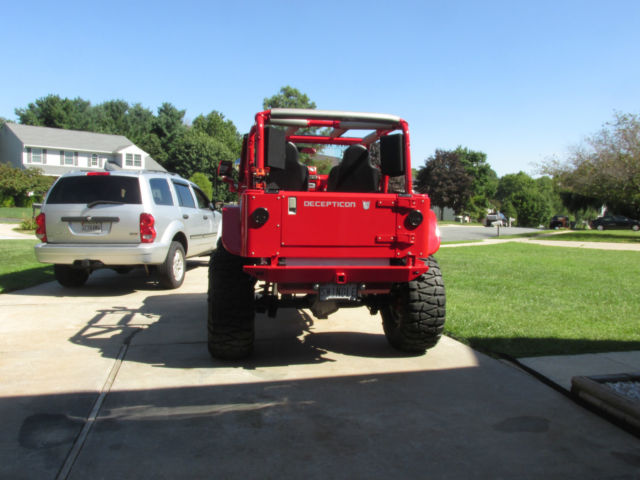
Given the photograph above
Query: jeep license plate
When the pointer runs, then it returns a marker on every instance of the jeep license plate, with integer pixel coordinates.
(91, 227)
(332, 291)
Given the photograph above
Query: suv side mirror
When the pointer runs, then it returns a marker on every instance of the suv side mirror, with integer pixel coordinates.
(225, 168)
(392, 155)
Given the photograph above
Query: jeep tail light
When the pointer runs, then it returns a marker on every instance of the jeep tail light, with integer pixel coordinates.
(41, 229)
(260, 216)
(415, 218)
(147, 230)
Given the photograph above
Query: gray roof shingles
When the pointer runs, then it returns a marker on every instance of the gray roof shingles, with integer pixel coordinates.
(46, 137)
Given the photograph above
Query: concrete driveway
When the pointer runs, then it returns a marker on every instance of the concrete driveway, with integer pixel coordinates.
(113, 380)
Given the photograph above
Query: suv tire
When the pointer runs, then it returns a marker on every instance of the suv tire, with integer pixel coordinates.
(67, 276)
(231, 313)
(413, 321)
(173, 269)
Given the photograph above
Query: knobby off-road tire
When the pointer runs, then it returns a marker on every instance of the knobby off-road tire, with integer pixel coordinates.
(67, 276)
(414, 319)
(172, 271)
(231, 302)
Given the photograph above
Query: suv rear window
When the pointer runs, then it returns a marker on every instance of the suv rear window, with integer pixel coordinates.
(87, 189)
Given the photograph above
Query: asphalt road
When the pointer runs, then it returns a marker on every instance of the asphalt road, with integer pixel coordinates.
(459, 233)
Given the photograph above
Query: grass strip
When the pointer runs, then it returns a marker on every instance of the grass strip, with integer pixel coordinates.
(19, 267)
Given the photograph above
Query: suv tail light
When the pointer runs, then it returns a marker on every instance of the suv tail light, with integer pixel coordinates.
(147, 232)
(41, 229)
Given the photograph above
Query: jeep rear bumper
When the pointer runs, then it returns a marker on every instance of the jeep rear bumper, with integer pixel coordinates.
(336, 274)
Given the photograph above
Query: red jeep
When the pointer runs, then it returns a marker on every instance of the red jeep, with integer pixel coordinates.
(357, 236)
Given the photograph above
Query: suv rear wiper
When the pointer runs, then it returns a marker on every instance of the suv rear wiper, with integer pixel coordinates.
(99, 202)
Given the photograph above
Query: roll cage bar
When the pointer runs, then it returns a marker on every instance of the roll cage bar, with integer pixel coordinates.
(337, 124)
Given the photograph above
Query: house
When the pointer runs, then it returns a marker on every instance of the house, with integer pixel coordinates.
(56, 151)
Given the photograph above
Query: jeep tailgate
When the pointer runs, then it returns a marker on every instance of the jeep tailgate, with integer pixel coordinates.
(335, 225)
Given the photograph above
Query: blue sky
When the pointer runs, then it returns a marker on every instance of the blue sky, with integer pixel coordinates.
(521, 81)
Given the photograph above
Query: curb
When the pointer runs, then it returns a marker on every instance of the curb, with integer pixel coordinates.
(594, 391)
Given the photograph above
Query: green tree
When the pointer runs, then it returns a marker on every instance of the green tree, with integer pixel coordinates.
(139, 126)
(605, 168)
(484, 184)
(16, 185)
(215, 125)
(525, 199)
(54, 111)
(445, 179)
(288, 97)
(168, 128)
(196, 151)
(111, 117)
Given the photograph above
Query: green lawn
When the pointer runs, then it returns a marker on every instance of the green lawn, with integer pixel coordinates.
(19, 267)
(528, 300)
(17, 213)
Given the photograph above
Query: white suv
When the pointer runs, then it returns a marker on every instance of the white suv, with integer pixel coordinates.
(120, 219)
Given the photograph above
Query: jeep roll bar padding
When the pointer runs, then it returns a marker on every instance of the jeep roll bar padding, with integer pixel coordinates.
(392, 155)
(274, 139)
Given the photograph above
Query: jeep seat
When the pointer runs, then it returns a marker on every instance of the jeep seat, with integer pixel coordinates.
(295, 175)
(355, 173)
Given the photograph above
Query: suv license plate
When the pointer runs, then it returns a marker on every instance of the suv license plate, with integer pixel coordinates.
(332, 291)
(91, 227)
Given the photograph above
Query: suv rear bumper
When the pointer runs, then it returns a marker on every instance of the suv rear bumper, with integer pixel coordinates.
(107, 254)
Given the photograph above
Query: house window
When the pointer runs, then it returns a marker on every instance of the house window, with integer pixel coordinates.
(36, 155)
(137, 160)
(94, 159)
(129, 160)
(68, 158)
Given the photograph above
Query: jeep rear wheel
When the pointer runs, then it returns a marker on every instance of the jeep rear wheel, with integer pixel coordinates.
(67, 276)
(413, 321)
(173, 269)
(231, 313)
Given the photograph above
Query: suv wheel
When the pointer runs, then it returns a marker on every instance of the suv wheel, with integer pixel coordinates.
(68, 276)
(172, 271)
(231, 314)
(413, 321)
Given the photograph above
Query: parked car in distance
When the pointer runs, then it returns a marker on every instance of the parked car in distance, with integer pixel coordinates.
(492, 219)
(615, 222)
(118, 219)
(559, 221)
